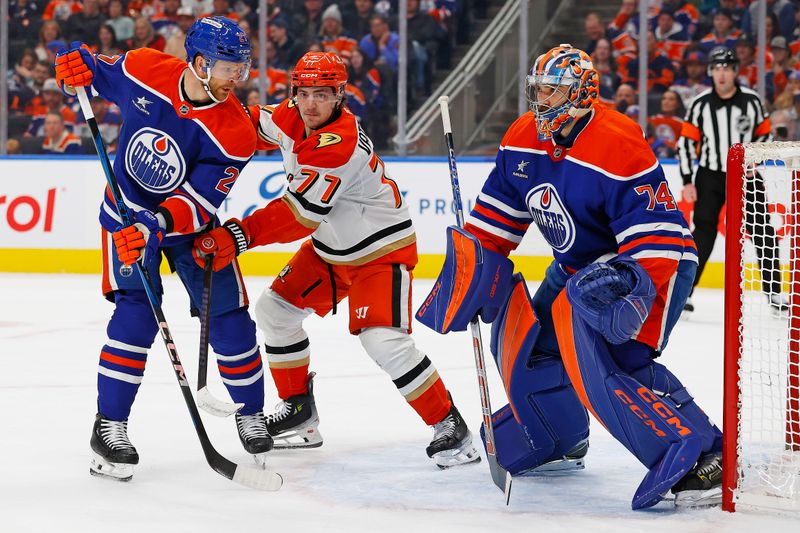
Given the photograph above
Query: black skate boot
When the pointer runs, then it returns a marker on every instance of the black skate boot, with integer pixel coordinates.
(452, 441)
(688, 309)
(113, 454)
(702, 485)
(295, 421)
(253, 434)
(574, 459)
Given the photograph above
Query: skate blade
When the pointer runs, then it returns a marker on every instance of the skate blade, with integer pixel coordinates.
(261, 460)
(307, 436)
(464, 454)
(694, 499)
(99, 467)
(560, 466)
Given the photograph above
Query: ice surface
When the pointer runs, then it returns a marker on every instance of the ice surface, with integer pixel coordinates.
(371, 474)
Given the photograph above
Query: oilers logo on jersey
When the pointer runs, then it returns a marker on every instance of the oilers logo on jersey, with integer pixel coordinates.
(552, 217)
(154, 159)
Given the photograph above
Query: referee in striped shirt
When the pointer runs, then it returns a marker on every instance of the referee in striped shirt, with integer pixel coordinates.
(717, 119)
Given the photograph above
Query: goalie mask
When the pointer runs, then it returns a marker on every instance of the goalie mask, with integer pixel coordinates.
(562, 83)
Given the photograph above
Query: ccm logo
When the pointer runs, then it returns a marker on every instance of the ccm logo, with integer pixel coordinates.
(24, 212)
(308, 75)
(429, 301)
(664, 412)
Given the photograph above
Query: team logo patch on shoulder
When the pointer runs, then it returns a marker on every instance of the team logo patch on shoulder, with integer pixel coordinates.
(552, 217)
(328, 139)
(154, 159)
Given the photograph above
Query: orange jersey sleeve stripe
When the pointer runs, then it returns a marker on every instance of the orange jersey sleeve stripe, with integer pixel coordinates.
(691, 131)
(496, 216)
(676, 241)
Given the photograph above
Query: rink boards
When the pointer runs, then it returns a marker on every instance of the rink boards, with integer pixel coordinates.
(49, 209)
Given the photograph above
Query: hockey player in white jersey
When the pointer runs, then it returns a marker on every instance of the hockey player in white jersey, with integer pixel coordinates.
(362, 247)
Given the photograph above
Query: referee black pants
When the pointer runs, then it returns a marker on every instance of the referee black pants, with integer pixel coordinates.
(710, 186)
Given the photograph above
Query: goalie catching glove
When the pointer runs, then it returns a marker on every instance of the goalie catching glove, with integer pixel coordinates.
(614, 297)
(224, 243)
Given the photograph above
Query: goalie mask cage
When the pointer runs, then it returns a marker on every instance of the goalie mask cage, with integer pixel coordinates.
(761, 457)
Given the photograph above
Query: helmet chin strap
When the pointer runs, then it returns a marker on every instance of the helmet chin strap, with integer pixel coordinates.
(205, 82)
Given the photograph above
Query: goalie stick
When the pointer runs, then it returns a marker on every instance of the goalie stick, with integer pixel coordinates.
(205, 400)
(500, 475)
(249, 477)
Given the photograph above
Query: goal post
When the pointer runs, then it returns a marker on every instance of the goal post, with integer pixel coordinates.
(761, 413)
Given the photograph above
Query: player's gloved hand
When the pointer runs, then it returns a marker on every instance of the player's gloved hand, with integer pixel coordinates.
(139, 240)
(224, 243)
(74, 67)
(614, 298)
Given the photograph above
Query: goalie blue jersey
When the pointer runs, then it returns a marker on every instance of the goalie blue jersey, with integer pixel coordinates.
(172, 157)
(605, 195)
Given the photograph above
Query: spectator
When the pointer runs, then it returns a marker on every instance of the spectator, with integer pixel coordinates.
(23, 20)
(594, 29)
(61, 10)
(660, 72)
(85, 25)
(109, 122)
(606, 66)
(19, 92)
(332, 37)
(287, 50)
(53, 102)
(308, 21)
(40, 73)
(144, 36)
(356, 102)
(381, 45)
(122, 24)
(696, 79)
(13, 147)
(672, 39)
(623, 29)
(425, 36)
(723, 32)
(668, 122)
(777, 79)
(49, 32)
(737, 12)
(685, 14)
(222, 8)
(57, 140)
(784, 12)
(624, 97)
(357, 21)
(176, 43)
(363, 75)
(107, 41)
(253, 98)
(165, 22)
(748, 70)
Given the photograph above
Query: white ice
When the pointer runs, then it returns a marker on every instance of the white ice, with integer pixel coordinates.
(371, 474)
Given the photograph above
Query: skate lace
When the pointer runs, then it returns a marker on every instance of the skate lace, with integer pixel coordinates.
(252, 426)
(445, 428)
(282, 410)
(115, 434)
(709, 466)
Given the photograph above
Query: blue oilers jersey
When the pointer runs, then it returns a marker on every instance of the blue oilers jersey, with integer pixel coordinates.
(172, 157)
(604, 196)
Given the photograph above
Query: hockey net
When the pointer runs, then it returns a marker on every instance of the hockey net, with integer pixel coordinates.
(761, 458)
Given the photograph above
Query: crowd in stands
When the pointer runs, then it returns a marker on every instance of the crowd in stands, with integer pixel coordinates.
(362, 32)
(680, 35)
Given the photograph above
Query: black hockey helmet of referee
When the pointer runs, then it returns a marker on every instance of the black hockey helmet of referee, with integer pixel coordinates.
(721, 55)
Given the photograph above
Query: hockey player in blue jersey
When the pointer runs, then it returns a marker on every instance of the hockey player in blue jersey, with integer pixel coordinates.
(589, 337)
(184, 140)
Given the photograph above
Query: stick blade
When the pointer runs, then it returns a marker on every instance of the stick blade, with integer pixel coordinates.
(500, 476)
(208, 403)
(256, 478)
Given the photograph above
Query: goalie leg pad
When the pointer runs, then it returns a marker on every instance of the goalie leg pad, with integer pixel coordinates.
(472, 281)
(544, 419)
(650, 427)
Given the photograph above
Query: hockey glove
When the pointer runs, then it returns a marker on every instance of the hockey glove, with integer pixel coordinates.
(139, 240)
(614, 297)
(74, 67)
(224, 243)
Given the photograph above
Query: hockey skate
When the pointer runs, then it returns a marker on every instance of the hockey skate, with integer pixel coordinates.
(113, 455)
(688, 309)
(574, 459)
(702, 485)
(452, 442)
(253, 434)
(295, 422)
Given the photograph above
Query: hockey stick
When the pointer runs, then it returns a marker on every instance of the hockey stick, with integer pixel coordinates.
(500, 475)
(205, 400)
(249, 477)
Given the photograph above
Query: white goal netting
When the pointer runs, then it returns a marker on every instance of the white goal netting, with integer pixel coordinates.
(763, 328)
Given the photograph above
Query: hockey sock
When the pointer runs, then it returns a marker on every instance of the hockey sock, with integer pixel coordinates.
(433, 404)
(233, 337)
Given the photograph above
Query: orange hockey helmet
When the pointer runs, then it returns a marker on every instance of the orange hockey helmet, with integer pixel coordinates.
(320, 69)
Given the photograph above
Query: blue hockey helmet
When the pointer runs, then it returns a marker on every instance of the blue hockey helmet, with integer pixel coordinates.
(217, 39)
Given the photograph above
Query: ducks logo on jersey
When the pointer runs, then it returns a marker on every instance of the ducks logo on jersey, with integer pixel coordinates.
(552, 217)
(155, 160)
